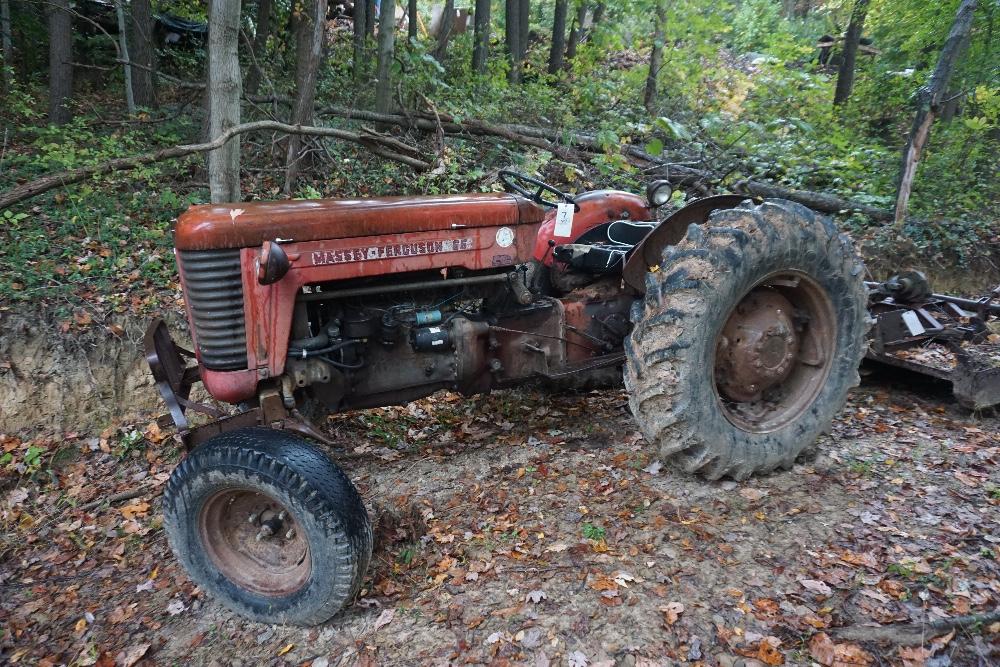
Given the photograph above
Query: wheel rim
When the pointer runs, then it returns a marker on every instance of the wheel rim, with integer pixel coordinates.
(255, 542)
(774, 353)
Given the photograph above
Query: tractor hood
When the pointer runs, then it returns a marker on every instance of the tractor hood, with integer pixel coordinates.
(248, 224)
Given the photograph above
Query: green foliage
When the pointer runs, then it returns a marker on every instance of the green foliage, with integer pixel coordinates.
(592, 532)
(740, 91)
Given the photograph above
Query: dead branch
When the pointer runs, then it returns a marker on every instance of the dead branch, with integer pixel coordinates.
(566, 144)
(116, 498)
(915, 634)
(382, 146)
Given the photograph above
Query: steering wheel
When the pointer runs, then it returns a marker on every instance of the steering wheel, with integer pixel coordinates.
(514, 181)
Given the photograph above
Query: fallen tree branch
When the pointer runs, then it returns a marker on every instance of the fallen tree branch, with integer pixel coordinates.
(914, 634)
(116, 498)
(561, 143)
(386, 147)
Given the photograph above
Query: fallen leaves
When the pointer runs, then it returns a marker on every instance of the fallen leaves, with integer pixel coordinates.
(384, 619)
(535, 596)
(671, 612)
(131, 511)
(830, 654)
(816, 586)
(176, 607)
(917, 656)
(132, 655)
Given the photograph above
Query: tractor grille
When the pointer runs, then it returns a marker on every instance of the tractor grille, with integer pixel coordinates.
(214, 292)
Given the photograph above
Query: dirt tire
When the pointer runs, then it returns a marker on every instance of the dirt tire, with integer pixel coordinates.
(309, 567)
(670, 371)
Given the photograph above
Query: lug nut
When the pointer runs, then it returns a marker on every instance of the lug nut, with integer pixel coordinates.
(290, 534)
(253, 518)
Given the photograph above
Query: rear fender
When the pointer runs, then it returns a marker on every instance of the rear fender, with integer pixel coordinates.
(671, 231)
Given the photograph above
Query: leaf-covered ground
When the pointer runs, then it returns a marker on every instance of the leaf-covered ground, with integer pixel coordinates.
(529, 528)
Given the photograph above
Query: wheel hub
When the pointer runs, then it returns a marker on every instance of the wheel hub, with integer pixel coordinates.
(253, 540)
(758, 346)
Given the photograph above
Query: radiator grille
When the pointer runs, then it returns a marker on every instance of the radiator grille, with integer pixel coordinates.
(215, 295)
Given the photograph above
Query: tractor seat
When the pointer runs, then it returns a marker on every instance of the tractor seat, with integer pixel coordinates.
(249, 224)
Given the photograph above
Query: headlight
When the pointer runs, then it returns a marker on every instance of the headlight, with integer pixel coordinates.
(658, 193)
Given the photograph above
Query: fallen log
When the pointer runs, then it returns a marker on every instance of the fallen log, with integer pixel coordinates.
(562, 144)
(915, 634)
(386, 147)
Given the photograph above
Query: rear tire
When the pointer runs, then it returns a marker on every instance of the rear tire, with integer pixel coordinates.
(681, 394)
(267, 524)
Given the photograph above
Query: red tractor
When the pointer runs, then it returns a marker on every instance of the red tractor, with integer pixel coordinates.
(739, 325)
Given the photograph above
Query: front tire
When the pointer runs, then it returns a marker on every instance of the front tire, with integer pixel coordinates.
(267, 524)
(748, 339)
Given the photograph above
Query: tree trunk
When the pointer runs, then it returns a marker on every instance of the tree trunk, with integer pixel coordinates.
(360, 38)
(386, 44)
(845, 78)
(143, 54)
(310, 29)
(60, 59)
(929, 99)
(412, 19)
(523, 24)
(598, 14)
(371, 11)
(558, 36)
(656, 55)
(481, 38)
(258, 54)
(512, 32)
(444, 30)
(123, 55)
(8, 48)
(224, 97)
(577, 32)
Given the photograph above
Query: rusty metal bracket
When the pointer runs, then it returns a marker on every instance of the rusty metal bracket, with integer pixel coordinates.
(167, 363)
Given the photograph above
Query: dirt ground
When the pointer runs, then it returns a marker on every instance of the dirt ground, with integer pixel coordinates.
(528, 528)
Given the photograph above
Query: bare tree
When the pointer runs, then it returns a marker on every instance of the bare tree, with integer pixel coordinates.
(845, 77)
(386, 46)
(656, 55)
(928, 102)
(576, 33)
(558, 36)
(512, 33)
(224, 91)
(310, 29)
(123, 54)
(8, 48)
(444, 30)
(481, 38)
(371, 12)
(412, 19)
(360, 39)
(524, 25)
(258, 48)
(60, 61)
(143, 54)
(598, 14)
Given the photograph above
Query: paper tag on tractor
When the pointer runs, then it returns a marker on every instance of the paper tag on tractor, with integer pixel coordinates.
(564, 220)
